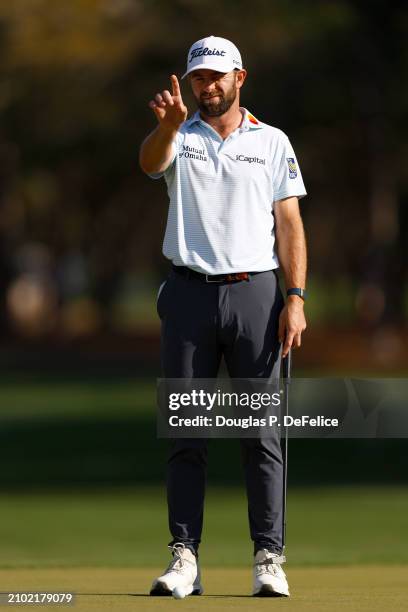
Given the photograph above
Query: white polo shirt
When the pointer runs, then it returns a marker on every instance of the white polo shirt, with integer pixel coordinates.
(220, 217)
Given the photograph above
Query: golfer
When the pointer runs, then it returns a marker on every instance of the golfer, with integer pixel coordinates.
(233, 183)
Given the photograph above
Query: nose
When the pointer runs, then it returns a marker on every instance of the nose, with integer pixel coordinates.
(209, 86)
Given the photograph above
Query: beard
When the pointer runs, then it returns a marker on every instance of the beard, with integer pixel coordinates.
(215, 109)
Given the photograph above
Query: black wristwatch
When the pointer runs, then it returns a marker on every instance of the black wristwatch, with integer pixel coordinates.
(297, 291)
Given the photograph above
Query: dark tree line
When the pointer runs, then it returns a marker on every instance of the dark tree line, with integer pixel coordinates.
(75, 81)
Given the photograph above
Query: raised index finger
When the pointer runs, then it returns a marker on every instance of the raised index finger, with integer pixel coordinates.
(175, 86)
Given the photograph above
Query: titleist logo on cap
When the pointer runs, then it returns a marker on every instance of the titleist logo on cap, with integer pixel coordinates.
(213, 53)
(206, 51)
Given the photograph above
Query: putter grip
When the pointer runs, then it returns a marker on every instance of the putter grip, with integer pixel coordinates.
(287, 365)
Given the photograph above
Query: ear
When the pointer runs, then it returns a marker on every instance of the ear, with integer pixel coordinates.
(240, 78)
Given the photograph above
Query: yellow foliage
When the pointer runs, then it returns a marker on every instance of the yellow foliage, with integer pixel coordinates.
(60, 33)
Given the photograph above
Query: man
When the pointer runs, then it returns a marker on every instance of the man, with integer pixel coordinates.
(234, 185)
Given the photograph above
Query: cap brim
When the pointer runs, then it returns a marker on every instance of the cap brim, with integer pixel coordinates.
(225, 69)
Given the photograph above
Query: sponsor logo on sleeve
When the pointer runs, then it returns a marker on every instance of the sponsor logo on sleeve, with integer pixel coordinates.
(292, 167)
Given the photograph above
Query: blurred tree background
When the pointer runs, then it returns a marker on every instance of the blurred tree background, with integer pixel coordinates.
(81, 226)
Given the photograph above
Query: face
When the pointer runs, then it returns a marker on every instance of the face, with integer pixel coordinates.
(215, 92)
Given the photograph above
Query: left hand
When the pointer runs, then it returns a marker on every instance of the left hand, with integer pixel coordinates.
(292, 323)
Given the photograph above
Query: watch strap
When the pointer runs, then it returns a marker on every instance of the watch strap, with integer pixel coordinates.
(297, 291)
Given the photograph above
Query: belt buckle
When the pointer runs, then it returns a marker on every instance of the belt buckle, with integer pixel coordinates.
(208, 277)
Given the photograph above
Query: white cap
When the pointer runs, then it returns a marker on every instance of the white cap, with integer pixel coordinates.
(213, 53)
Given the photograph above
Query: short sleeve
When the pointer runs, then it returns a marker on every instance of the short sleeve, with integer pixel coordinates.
(175, 147)
(287, 178)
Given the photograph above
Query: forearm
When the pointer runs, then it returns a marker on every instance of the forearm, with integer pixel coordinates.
(291, 249)
(156, 151)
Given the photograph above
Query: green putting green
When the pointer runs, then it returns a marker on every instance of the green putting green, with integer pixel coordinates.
(128, 527)
(324, 589)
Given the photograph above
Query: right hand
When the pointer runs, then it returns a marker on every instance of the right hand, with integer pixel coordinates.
(169, 108)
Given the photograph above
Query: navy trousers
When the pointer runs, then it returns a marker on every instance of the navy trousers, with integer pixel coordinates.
(201, 322)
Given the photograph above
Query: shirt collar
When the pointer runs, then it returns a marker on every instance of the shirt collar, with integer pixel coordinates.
(249, 122)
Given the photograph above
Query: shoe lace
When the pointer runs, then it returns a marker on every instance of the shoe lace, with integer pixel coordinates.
(269, 566)
(177, 564)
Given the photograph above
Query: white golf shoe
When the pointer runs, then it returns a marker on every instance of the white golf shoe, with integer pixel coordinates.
(183, 573)
(269, 577)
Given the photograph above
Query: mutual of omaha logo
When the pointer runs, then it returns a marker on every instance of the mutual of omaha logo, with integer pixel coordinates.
(292, 167)
(193, 153)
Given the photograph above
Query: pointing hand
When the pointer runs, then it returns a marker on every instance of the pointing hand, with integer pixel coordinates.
(170, 109)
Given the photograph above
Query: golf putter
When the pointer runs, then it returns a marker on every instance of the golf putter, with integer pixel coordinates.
(286, 374)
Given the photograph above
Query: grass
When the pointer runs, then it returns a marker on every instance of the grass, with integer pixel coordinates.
(128, 528)
(362, 589)
(38, 398)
